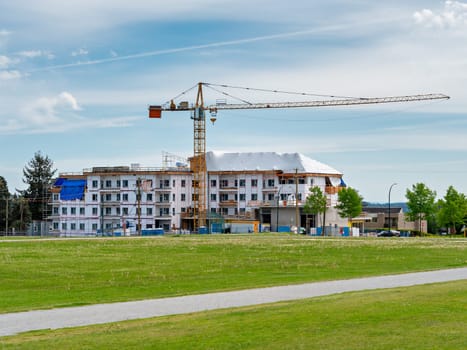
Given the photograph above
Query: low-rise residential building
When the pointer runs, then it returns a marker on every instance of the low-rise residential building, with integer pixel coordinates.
(378, 218)
(244, 191)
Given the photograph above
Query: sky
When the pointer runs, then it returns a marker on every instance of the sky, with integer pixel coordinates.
(76, 78)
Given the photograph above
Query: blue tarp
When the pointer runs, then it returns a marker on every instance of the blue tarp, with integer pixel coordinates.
(59, 181)
(72, 189)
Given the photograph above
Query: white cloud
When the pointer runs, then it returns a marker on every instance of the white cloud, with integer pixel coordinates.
(37, 53)
(10, 74)
(454, 15)
(80, 52)
(5, 61)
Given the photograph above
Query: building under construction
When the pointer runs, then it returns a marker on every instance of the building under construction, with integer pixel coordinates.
(246, 192)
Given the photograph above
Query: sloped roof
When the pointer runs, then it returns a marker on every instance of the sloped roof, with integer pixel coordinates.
(263, 161)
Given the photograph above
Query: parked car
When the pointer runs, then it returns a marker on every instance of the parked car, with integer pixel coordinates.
(387, 233)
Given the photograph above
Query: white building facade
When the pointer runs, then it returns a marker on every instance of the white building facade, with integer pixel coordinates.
(264, 189)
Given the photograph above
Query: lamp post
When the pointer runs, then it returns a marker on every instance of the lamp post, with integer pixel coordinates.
(389, 206)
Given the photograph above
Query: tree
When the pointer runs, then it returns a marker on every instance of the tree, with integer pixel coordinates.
(20, 213)
(4, 197)
(38, 174)
(452, 209)
(420, 203)
(315, 204)
(349, 203)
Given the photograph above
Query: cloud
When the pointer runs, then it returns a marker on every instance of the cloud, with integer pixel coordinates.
(454, 15)
(60, 113)
(10, 74)
(37, 53)
(5, 62)
(80, 52)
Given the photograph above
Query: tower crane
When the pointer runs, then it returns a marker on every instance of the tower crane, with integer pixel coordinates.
(198, 114)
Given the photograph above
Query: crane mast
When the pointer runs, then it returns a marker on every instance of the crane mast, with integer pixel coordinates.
(198, 110)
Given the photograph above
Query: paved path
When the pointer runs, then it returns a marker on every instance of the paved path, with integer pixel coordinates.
(14, 323)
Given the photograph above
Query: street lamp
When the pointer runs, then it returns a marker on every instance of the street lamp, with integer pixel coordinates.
(389, 210)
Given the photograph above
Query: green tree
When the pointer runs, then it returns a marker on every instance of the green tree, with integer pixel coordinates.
(349, 203)
(38, 174)
(315, 204)
(420, 203)
(4, 197)
(452, 209)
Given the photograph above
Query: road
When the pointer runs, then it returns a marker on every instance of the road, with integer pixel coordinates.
(14, 323)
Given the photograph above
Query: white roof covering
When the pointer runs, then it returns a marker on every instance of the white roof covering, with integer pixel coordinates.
(263, 161)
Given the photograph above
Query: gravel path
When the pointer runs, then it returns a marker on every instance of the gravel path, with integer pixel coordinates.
(14, 323)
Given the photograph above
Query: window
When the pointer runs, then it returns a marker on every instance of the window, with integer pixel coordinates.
(94, 197)
(242, 182)
(95, 183)
(149, 197)
(173, 183)
(224, 211)
(94, 227)
(213, 183)
(55, 197)
(183, 197)
(81, 227)
(166, 197)
(117, 210)
(72, 226)
(270, 196)
(236, 183)
(183, 209)
(108, 211)
(254, 196)
(173, 197)
(125, 183)
(271, 182)
(63, 225)
(224, 183)
(55, 210)
(64, 211)
(108, 226)
(119, 183)
(301, 181)
(94, 211)
(118, 197)
(81, 211)
(242, 196)
(173, 211)
(224, 197)
(148, 225)
(148, 211)
(254, 182)
(55, 225)
(213, 210)
(108, 197)
(311, 182)
(166, 183)
(183, 183)
(125, 211)
(213, 196)
(73, 211)
(242, 211)
(125, 197)
(108, 183)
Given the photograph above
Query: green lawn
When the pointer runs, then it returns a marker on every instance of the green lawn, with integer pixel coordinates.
(57, 273)
(422, 317)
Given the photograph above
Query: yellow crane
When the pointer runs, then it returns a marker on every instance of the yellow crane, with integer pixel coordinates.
(198, 110)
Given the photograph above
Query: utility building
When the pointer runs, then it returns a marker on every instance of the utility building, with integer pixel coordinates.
(245, 192)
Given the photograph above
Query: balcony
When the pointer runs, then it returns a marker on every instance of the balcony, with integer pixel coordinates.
(228, 203)
(163, 189)
(332, 189)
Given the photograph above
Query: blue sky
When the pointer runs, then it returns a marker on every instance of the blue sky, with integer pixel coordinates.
(76, 78)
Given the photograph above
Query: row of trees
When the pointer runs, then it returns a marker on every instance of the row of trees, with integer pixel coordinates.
(449, 213)
(19, 209)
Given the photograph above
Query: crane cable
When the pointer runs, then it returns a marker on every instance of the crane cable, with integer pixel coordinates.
(282, 92)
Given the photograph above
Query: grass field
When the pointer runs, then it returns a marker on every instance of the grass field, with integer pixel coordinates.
(57, 273)
(422, 317)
